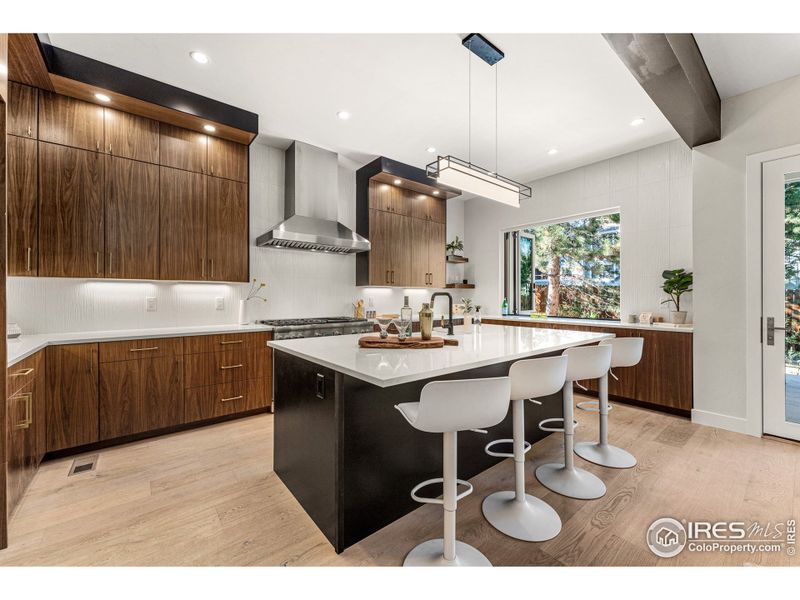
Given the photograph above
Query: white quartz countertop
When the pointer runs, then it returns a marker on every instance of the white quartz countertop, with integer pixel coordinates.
(25, 345)
(596, 323)
(384, 368)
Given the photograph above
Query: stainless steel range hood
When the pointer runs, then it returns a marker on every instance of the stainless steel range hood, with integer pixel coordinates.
(310, 206)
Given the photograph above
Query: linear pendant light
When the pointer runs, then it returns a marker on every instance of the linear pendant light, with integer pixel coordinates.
(464, 175)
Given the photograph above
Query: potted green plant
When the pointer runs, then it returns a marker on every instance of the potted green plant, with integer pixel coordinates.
(467, 308)
(457, 245)
(677, 282)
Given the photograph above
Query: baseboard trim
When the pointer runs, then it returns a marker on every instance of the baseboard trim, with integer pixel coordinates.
(720, 421)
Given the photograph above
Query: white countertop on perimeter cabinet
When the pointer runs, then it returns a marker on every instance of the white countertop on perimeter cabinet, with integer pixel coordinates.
(384, 368)
(25, 345)
(594, 323)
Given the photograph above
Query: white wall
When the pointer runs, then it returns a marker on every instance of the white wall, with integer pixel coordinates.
(299, 284)
(760, 120)
(651, 187)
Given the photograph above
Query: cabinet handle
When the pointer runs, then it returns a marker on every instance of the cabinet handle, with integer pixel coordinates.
(97, 145)
(30, 131)
(231, 342)
(392, 275)
(211, 262)
(144, 349)
(21, 372)
(231, 367)
(110, 262)
(203, 268)
(231, 398)
(26, 422)
(387, 277)
(28, 259)
(110, 151)
(97, 261)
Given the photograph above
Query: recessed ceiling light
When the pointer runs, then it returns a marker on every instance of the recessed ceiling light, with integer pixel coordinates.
(102, 97)
(552, 151)
(637, 121)
(435, 192)
(209, 128)
(343, 115)
(198, 56)
(397, 182)
(431, 149)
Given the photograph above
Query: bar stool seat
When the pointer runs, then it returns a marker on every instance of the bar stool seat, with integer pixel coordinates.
(448, 407)
(625, 352)
(515, 513)
(583, 362)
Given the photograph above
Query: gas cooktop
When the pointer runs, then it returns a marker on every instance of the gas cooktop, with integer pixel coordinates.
(309, 321)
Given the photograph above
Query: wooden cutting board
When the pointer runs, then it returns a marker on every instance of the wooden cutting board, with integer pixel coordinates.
(412, 343)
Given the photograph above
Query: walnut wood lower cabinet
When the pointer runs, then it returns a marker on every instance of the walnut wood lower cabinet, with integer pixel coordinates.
(72, 396)
(141, 386)
(662, 379)
(25, 425)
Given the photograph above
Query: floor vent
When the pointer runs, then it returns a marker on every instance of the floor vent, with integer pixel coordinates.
(83, 465)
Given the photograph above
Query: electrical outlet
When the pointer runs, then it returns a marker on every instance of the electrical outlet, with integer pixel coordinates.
(151, 304)
(219, 303)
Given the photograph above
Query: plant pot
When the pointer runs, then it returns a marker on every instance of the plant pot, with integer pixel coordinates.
(243, 320)
(467, 323)
(678, 317)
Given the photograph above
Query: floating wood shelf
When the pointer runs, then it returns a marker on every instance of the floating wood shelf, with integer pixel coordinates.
(460, 286)
(451, 258)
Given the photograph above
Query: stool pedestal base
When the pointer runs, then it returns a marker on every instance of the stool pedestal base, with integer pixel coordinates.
(431, 554)
(531, 520)
(574, 482)
(605, 455)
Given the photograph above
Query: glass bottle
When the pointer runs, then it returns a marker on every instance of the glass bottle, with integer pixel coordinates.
(406, 315)
(426, 321)
(505, 307)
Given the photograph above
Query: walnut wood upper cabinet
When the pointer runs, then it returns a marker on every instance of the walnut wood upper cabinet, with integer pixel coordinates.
(428, 208)
(23, 208)
(427, 254)
(436, 254)
(228, 230)
(72, 399)
(140, 387)
(183, 223)
(70, 212)
(22, 111)
(227, 159)
(70, 122)
(390, 256)
(182, 149)
(131, 219)
(390, 198)
(130, 136)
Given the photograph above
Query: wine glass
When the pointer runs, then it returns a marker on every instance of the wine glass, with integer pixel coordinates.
(402, 326)
(383, 324)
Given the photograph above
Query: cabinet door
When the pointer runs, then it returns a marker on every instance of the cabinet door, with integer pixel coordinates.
(161, 384)
(182, 148)
(70, 212)
(420, 275)
(131, 136)
(131, 219)
(23, 207)
(379, 255)
(18, 434)
(437, 209)
(664, 375)
(119, 399)
(182, 229)
(70, 122)
(72, 398)
(228, 230)
(436, 254)
(22, 111)
(400, 249)
(227, 159)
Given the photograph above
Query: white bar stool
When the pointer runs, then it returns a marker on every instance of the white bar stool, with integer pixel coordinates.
(448, 407)
(517, 514)
(584, 362)
(625, 352)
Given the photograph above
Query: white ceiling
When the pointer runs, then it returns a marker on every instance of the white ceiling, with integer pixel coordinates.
(407, 92)
(740, 62)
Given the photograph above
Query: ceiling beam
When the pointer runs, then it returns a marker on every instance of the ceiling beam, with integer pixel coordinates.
(671, 69)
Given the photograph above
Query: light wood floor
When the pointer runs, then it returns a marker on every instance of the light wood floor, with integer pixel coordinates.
(209, 497)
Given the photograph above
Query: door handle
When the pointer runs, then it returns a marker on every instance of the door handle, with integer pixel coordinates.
(771, 331)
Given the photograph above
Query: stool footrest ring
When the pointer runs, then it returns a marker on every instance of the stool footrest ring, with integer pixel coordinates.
(504, 454)
(425, 500)
(543, 427)
(591, 405)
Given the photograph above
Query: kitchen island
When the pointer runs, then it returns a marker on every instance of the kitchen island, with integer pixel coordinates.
(348, 456)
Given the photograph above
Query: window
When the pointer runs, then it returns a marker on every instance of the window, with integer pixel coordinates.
(566, 269)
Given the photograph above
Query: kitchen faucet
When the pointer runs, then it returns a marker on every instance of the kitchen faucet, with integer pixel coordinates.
(449, 309)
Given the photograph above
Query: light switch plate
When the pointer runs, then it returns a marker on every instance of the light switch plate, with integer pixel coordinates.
(151, 304)
(219, 303)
